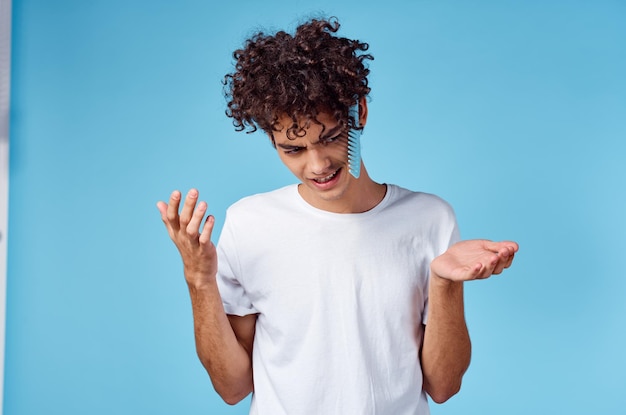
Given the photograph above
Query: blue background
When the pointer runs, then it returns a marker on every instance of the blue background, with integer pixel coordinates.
(515, 112)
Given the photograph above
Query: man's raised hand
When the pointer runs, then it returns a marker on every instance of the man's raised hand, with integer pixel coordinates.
(474, 259)
(194, 244)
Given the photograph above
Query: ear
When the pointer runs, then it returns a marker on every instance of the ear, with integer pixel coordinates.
(363, 111)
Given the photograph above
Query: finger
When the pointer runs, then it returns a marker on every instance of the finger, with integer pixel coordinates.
(474, 272)
(499, 267)
(510, 246)
(490, 267)
(205, 236)
(503, 256)
(479, 271)
(172, 210)
(162, 207)
(193, 228)
(509, 261)
(513, 246)
(507, 254)
(499, 247)
(188, 207)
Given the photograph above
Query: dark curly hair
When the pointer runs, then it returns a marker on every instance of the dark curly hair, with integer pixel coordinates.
(297, 76)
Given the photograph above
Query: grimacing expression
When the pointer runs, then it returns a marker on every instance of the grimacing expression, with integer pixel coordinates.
(319, 159)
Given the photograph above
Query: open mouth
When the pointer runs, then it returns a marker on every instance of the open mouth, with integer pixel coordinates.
(326, 179)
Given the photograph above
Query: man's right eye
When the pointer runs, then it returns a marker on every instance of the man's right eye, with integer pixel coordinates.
(294, 150)
(333, 139)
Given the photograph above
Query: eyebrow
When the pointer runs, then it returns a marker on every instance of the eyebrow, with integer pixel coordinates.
(287, 146)
(324, 136)
(332, 132)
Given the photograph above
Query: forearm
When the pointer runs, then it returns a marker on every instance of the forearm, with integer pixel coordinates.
(446, 349)
(226, 360)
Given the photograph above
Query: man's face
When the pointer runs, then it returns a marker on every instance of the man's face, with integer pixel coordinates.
(320, 160)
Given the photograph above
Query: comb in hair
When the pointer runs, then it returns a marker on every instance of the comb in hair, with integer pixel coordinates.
(354, 144)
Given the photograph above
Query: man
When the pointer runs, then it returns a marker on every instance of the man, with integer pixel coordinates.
(338, 295)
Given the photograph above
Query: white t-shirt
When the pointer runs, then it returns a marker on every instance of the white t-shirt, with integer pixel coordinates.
(340, 298)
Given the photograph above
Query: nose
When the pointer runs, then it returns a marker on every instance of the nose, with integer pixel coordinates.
(319, 161)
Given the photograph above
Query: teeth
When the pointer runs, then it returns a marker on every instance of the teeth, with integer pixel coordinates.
(327, 178)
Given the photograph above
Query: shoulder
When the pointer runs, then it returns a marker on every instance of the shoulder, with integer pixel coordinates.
(425, 203)
(427, 212)
(261, 203)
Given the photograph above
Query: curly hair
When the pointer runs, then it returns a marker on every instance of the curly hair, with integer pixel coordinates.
(297, 76)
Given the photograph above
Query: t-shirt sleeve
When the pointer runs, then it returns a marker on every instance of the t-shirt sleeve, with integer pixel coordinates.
(234, 296)
(448, 239)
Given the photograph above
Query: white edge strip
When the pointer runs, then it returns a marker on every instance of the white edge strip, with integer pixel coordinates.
(5, 84)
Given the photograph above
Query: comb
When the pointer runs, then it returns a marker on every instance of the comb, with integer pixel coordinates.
(354, 144)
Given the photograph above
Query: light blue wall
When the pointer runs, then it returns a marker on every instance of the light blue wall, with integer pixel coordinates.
(513, 111)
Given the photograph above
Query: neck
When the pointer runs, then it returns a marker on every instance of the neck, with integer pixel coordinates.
(361, 195)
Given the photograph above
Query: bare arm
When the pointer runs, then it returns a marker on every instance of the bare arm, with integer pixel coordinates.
(446, 351)
(223, 343)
